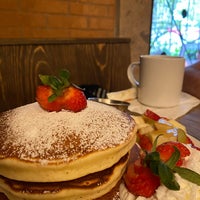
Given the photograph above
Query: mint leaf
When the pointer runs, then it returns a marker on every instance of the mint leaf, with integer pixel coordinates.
(57, 84)
(54, 83)
(152, 160)
(173, 159)
(44, 79)
(154, 167)
(52, 98)
(188, 174)
(155, 143)
(64, 76)
(51, 81)
(167, 177)
(153, 156)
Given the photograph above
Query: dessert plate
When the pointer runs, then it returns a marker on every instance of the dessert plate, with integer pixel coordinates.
(195, 141)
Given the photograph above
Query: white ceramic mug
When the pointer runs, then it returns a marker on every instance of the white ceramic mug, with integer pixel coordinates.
(160, 79)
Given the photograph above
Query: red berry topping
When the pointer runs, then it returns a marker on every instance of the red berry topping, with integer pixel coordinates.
(58, 93)
(140, 180)
(167, 149)
(144, 141)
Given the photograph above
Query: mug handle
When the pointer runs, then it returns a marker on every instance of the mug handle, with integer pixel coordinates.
(130, 73)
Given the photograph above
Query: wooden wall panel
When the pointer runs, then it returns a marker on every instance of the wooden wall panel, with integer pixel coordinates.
(90, 61)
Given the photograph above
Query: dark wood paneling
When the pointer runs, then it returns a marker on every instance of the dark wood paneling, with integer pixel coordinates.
(191, 81)
(97, 61)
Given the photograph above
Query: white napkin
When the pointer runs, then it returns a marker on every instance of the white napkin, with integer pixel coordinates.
(187, 102)
(123, 95)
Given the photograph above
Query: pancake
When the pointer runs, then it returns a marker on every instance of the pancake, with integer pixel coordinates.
(88, 187)
(40, 147)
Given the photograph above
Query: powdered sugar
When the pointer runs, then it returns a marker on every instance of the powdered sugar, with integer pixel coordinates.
(29, 132)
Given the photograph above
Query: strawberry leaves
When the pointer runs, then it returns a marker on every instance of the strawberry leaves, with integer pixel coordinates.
(166, 170)
(58, 84)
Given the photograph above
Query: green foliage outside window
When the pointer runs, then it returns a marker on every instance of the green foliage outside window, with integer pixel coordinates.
(175, 29)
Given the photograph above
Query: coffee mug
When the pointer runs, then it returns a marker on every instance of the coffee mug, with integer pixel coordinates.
(160, 79)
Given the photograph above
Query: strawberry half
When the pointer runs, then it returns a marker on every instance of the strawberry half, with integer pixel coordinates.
(58, 93)
(144, 141)
(152, 115)
(74, 99)
(140, 180)
(167, 149)
(189, 141)
(42, 95)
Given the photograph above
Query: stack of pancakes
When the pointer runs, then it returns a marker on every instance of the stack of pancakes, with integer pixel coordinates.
(63, 155)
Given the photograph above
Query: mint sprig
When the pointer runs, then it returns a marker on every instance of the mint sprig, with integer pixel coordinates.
(167, 177)
(166, 170)
(58, 84)
(188, 174)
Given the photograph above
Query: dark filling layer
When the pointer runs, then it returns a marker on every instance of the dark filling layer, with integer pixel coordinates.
(87, 182)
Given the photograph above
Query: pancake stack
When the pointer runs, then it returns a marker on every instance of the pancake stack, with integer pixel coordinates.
(63, 155)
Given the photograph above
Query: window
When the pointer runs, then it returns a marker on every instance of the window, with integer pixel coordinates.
(175, 29)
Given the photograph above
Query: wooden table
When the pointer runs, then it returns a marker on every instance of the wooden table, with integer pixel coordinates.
(192, 122)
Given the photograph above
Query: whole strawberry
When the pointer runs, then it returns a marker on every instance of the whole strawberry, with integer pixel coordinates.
(58, 93)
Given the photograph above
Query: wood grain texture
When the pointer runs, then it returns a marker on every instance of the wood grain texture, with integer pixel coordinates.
(97, 61)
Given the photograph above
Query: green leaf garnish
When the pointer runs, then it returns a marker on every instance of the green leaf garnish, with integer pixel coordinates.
(54, 82)
(64, 76)
(188, 174)
(58, 84)
(167, 177)
(171, 163)
(44, 79)
(155, 143)
(152, 160)
(166, 171)
(52, 98)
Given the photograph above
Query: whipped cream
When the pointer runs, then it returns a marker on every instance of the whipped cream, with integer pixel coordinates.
(188, 190)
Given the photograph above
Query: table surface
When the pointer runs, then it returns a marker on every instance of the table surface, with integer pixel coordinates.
(192, 122)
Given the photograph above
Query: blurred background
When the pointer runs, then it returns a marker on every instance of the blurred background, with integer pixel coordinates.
(157, 27)
(78, 19)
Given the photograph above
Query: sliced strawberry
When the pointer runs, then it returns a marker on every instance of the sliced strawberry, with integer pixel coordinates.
(167, 149)
(195, 147)
(140, 180)
(189, 141)
(42, 94)
(150, 114)
(144, 141)
(74, 99)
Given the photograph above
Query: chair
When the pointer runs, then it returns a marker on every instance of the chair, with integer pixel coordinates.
(191, 82)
